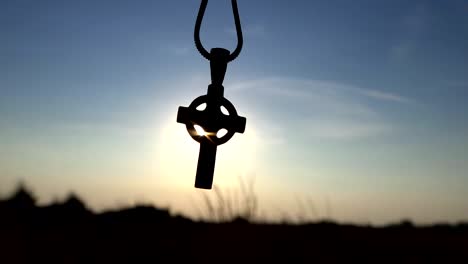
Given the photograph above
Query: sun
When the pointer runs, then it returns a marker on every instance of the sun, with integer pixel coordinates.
(200, 130)
(178, 155)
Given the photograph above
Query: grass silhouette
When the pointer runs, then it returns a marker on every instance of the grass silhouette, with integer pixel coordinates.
(242, 204)
(68, 232)
(239, 204)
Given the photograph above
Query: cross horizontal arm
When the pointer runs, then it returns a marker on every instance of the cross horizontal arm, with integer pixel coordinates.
(186, 115)
(236, 124)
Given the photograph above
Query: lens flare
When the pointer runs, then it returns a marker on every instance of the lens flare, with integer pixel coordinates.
(200, 130)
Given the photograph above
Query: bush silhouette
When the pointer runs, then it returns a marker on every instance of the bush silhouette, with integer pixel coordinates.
(67, 232)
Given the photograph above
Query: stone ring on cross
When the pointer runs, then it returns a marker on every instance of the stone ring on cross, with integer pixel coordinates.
(211, 119)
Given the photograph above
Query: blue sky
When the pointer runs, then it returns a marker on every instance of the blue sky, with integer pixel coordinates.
(358, 104)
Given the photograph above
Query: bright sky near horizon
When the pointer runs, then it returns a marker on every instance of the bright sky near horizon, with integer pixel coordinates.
(359, 106)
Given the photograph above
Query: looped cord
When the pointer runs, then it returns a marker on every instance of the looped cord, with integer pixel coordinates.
(198, 44)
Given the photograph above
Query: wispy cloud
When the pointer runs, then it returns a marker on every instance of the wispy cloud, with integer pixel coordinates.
(346, 129)
(385, 96)
(319, 109)
(329, 87)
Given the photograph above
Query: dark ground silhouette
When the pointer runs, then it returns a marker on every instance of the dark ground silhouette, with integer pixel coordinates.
(67, 232)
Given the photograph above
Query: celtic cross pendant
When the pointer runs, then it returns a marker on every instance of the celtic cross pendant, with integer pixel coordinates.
(211, 119)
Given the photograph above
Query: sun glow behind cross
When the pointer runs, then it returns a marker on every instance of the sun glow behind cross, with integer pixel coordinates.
(200, 130)
(178, 156)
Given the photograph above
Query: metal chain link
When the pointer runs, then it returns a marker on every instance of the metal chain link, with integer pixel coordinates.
(198, 44)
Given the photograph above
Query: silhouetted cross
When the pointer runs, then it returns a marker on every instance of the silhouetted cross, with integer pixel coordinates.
(211, 119)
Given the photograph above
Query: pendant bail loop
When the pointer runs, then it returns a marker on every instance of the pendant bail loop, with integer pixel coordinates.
(218, 64)
(240, 39)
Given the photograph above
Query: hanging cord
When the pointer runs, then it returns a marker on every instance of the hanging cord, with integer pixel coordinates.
(240, 40)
